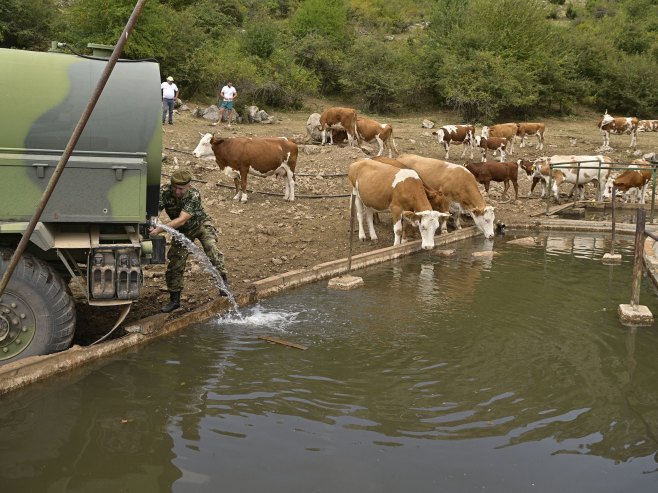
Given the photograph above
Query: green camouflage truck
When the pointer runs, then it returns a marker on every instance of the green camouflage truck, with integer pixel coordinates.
(94, 228)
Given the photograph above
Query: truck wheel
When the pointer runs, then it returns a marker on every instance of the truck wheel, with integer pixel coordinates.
(37, 315)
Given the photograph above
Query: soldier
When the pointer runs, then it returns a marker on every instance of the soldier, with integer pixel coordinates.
(182, 202)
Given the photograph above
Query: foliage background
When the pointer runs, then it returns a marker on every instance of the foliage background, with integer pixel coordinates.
(486, 60)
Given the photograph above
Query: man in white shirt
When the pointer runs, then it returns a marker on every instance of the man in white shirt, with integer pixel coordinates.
(228, 95)
(169, 95)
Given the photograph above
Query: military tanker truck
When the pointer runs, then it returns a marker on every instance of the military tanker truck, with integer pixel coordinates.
(94, 228)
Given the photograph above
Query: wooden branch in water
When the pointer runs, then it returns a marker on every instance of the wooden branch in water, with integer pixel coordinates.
(281, 341)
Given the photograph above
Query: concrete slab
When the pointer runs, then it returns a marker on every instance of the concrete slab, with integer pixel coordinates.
(444, 252)
(611, 258)
(635, 315)
(345, 282)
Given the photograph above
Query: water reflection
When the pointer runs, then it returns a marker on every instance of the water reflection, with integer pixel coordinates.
(482, 371)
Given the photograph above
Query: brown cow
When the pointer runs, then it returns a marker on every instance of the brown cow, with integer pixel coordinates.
(647, 126)
(345, 117)
(455, 134)
(618, 125)
(262, 156)
(459, 187)
(536, 129)
(378, 186)
(632, 182)
(529, 168)
(507, 130)
(370, 130)
(496, 144)
(489, 171)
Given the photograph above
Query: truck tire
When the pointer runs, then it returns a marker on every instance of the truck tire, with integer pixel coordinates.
(37, 314)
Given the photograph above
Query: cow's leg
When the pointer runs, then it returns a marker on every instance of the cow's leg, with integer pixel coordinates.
(483, 158)
(446, 146)
(633, 139)
(243, 183)
(397, 232)
(371, 226)
(515, 184)
(381, 146)
(324, 136)
(505, 188)
(464, 151)
(643, 191)
(502, 155)
(359, 215)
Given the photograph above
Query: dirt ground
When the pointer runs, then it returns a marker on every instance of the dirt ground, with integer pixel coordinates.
(267, 236)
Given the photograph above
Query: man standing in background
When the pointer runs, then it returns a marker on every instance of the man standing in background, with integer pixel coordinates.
(169, 96)
(227, 94)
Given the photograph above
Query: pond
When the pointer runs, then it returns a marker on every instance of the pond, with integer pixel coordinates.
(508, 373)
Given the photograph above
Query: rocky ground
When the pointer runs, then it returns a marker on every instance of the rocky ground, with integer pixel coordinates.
(267, 236)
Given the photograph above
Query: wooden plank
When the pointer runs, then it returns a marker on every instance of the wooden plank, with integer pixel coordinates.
(281, 341)
(553, 210)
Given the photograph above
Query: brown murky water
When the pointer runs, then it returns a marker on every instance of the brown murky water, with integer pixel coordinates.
(504, 374)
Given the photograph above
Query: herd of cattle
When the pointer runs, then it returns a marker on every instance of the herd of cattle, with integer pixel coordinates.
(423, 192)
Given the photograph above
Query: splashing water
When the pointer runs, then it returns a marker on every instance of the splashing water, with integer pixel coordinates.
(205, 263)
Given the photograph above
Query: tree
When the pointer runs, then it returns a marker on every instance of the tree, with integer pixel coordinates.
(27, 24)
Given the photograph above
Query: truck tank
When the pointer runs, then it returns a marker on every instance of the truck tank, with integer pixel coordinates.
(94, 224)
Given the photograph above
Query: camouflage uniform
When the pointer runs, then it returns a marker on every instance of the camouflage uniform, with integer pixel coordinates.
(198, 227)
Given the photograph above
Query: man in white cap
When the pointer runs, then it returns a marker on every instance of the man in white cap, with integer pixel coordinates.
(169, 95)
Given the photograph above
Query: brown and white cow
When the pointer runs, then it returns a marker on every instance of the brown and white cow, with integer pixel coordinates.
(529, 129)
(529, 168)
(370, 130)
(344, 118)
(455, 134)
(261, 156)
(496, 144)
(618, 125)
(378, 187)
(578, 170)
(459, 187)
(489, 171)
(436, 197)
(647, 126)
(632, 182)
(507, 130)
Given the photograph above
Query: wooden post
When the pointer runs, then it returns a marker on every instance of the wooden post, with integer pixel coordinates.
(576, 185)
(349, 251)
(637, 262)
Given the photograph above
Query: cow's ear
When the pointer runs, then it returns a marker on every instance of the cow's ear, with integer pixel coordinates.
(410, 217)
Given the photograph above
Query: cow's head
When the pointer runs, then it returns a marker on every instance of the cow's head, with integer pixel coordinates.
(485, 132)
(605, 119)
(203, 149)
(427, 222)
(527, 166)
(607, 190)
(437, 199)
(440, 133)
(484, 220)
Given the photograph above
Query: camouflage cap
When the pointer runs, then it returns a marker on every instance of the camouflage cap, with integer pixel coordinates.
(181, 177)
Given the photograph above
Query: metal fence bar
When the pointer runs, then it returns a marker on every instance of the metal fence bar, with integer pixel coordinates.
(637, 259)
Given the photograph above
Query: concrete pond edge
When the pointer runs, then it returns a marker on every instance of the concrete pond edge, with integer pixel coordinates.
(21, 373)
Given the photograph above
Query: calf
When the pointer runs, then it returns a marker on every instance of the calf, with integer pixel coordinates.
(494, 143)
(618, 125)
(345, 117)
(262, 156)
(378, 186)
(370, 130)
(507, 130)
(529, 168)
(647, 126)
(459, 187)
(455, 134)
(489, 171)
(536, 129)
(632, 182)
(577, 170)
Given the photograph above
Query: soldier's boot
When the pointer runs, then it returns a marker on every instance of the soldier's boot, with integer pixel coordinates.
(173, 304)
(225, 279)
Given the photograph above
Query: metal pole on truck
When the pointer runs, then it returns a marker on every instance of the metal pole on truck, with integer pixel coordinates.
(59, 169)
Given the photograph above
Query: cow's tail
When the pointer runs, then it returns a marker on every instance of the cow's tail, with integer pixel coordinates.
(356, 132)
